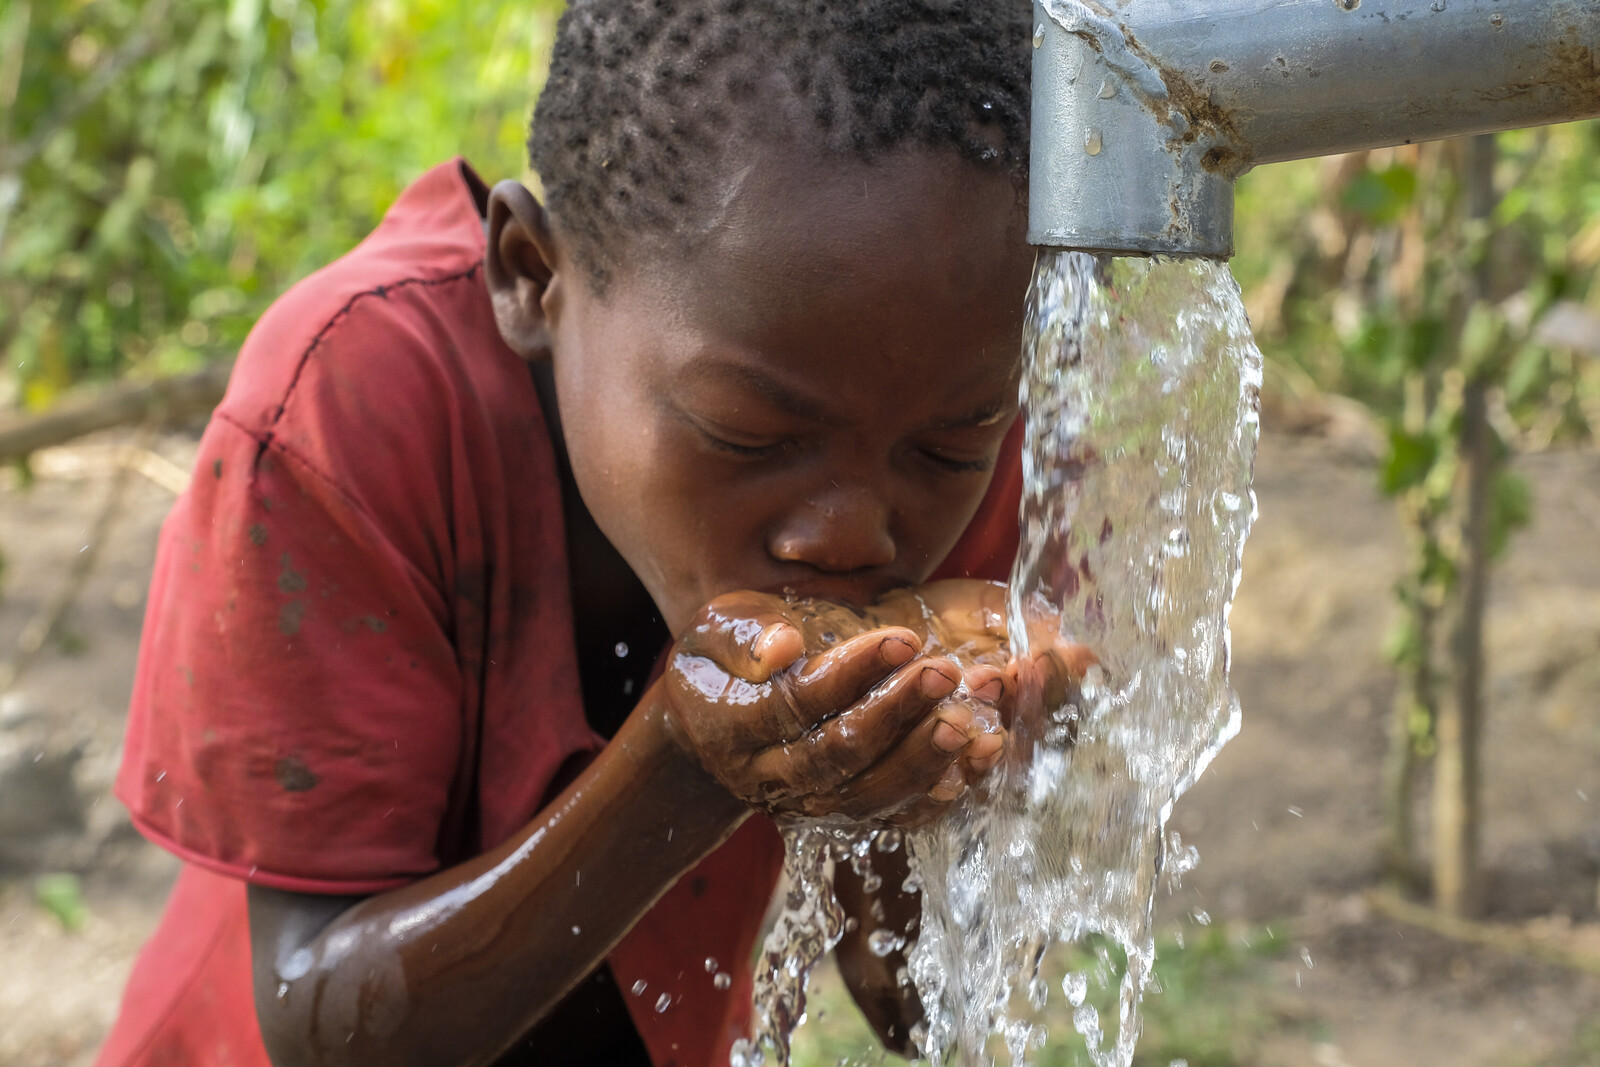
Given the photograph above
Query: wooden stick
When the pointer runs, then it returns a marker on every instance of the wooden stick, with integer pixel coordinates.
(149, 403)
(1501, 938)
(45, 622)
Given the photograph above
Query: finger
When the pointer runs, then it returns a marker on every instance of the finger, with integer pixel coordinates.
(987, 683)
(845, 745)
(913, 767)
(745, 633)
(1045, 684)
(950, 784)
(840, 677)
(983, 752)
(968, 605)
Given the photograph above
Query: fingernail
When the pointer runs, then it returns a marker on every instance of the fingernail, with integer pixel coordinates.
(983, 764)
(896, 650)
(763, 641)
(946, 738)
(990, 690)
(984, 751)
(936, 684)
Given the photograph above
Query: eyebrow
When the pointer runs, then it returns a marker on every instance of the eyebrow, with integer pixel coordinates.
(773, 391)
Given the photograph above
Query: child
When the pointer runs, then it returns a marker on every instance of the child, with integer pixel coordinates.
(395, 706)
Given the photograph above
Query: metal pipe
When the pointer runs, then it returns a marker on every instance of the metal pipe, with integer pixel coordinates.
(1145, 111)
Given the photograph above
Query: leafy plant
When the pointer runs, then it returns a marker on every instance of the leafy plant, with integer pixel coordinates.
(62, 896)
(167, 167)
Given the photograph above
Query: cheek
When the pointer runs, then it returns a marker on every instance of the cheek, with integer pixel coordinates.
(936, 521)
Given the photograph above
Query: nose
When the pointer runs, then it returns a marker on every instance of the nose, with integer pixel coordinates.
(843, 529)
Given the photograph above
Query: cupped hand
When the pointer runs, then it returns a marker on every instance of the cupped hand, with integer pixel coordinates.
(967, 618)
(803, 707)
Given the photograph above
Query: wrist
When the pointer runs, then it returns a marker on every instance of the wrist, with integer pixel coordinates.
(659, 751)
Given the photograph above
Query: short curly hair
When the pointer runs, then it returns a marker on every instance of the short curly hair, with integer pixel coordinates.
(643, 96)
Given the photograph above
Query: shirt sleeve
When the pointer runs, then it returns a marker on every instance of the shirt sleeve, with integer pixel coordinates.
(297, 715)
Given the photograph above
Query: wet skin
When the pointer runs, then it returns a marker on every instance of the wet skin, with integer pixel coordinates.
(809, 400)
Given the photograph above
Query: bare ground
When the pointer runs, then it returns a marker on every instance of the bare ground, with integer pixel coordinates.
(1287, 820)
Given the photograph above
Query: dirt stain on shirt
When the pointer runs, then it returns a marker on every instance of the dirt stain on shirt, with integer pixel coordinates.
(291, 580)
(293, 774)
(289, 618)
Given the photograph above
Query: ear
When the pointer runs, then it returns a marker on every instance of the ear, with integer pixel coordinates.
(521, 269)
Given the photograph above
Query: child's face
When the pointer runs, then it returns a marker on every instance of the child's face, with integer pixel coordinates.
(813, 397)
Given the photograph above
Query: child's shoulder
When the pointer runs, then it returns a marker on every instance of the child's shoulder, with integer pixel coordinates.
(392, 348)
(402, 321)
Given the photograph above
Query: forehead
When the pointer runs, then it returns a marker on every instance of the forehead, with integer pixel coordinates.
(816, 227)
(917, 263)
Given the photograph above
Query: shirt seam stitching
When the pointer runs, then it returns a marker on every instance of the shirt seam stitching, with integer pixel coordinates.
(334, 320)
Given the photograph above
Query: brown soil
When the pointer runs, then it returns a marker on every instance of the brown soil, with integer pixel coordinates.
(1287, 820)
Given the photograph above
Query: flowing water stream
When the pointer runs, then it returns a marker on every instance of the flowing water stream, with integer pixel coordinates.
(1141, 394)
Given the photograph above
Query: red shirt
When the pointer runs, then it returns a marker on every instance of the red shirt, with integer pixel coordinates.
(358, 664)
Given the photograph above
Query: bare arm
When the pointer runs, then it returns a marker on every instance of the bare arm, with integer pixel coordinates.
(453, 969)
(891, 1008)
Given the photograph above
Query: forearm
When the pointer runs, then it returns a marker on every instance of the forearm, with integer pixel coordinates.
(453, 969)
(892, 1008)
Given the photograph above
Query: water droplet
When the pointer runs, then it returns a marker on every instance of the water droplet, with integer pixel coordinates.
(883, 942)
(1075, 987)
(987, 106)
(871, 883)
(722, 980)
(622, 650)
(1092, 142)
(1305, 957)
(1201, 917)
(663, 1002)
(711, 964)
(1107, 89)
(639, 987)
(283, 990)
(1038, 35)
(576, 931)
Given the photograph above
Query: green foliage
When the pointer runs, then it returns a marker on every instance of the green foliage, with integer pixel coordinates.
(1382, 196)
(167, 167)
(1351, 271)
(1211, 1003)
(62, 896)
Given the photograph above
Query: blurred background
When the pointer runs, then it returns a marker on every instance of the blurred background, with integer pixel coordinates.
(1400, 855)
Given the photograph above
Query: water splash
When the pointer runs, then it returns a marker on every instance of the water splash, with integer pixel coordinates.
(809, 926)
(1141, 392)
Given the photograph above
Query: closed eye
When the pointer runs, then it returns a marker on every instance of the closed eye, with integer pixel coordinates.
(957, 465)
(720, 441)
(734, 448)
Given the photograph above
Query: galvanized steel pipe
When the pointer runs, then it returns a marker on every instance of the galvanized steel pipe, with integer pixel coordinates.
(1145, 111)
